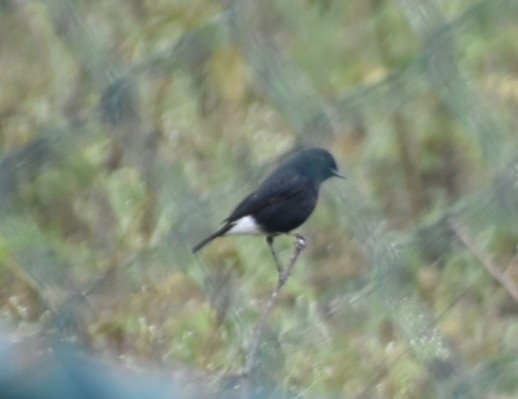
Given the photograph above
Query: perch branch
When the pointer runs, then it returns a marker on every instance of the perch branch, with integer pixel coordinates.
(284, 274)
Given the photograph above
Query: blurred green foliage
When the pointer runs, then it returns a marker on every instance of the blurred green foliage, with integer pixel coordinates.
(130, 128)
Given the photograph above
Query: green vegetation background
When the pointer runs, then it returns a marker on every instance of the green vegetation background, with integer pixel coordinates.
(129, 129)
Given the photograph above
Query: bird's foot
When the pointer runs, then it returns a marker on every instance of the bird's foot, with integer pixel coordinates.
(300, 242)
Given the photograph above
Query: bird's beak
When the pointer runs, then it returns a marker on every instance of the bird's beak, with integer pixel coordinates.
(338, 174)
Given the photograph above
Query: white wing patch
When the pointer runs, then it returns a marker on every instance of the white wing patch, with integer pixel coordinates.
(246, 226)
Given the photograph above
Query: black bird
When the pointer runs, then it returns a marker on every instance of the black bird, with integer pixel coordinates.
(283, 201)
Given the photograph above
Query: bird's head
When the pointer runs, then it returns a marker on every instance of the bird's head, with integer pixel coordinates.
(318, 164)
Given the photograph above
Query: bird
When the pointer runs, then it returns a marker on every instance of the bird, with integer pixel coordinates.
(284, 200)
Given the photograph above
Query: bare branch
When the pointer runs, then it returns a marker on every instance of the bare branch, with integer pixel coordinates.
(284, 274)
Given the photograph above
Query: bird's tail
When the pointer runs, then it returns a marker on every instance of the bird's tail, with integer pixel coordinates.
(217, 234)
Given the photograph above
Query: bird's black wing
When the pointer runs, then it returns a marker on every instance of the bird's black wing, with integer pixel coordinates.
(277, 188)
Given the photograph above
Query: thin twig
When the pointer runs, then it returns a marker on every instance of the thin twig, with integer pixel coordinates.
(299, 244)
(484, 258)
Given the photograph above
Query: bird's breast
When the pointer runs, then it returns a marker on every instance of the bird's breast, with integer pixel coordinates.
(285, 216)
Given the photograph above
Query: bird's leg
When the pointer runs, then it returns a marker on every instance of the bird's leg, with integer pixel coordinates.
(269, 241)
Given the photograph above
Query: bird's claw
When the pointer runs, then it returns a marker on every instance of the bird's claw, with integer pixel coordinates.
(300, 242)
